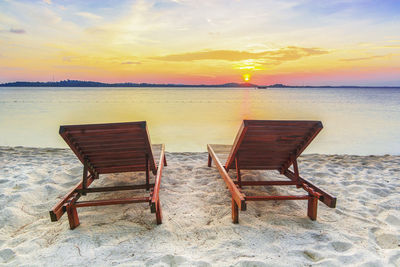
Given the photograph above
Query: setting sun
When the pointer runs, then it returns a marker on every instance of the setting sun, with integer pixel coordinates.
(246, 77)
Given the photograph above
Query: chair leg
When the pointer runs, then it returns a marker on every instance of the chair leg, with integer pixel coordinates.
(147, 174)
(158, 212)
(209, 160)
(239, 176)
(235, 212)
(72, 217)
(312, 207)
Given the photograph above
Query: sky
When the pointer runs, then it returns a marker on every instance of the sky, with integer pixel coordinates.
(335, 42)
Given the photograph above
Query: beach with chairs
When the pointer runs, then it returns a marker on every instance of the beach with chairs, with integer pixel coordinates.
(197, 228)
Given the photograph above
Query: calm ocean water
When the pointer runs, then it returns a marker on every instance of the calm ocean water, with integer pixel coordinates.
(356, 121)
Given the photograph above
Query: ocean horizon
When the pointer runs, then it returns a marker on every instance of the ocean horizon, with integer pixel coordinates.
(358, 121)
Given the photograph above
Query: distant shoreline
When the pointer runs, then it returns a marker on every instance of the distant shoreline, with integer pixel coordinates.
(75, 83)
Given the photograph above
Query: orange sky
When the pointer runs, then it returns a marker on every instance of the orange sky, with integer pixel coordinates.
(201, 42)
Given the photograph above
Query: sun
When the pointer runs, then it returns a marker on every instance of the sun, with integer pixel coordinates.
(246, 77)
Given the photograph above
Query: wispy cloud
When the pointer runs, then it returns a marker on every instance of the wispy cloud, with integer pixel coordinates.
(282, 54)
(231, 55)
(366, 58)
(74, 67)
(68, 58)
(88, 15)
(131, 63)
(294, 52)
(392, 46)
(49, 2)
(17, 31)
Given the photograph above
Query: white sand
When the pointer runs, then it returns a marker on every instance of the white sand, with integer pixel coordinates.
(364, 229)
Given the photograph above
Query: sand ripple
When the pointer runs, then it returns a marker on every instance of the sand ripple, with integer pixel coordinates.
(364, 229)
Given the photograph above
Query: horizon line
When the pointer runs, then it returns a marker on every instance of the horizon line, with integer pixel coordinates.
(226, 84)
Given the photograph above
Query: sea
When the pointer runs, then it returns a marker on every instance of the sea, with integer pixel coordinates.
(357, 121)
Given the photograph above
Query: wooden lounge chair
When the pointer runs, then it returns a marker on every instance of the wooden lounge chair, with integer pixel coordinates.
(268, 145)
(111, 148)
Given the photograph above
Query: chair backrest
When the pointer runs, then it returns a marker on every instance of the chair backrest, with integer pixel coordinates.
(111, 147)
(271, 145)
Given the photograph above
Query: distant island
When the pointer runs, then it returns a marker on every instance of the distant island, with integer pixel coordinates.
(77, 83)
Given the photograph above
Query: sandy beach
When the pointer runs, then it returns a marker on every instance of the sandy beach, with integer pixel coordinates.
(364, 229)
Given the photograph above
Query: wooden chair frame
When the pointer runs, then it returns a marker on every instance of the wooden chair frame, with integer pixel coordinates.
(69, 203)
(235, 187)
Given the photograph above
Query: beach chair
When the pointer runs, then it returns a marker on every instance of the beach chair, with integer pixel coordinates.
(268, 145)
(111, 148)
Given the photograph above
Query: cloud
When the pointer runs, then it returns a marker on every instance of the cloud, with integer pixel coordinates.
(282, 54)
(230, 55)
(68, 58)
(131, 63)
(365, 58)
(83, 67)
(17, 31)
(214, 34)
(88, 15)
(392, 46)
(294, 52)
(49, 2)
